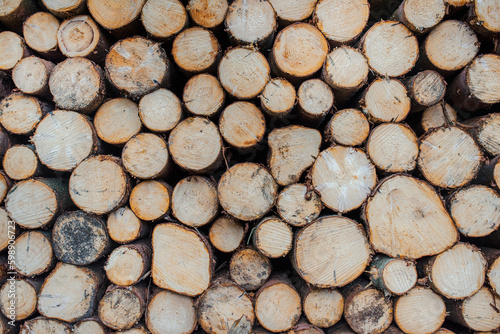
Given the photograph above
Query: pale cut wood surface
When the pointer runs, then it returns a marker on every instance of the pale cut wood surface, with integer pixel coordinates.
(169, 312)
(127, 264)
(44, 325)
(65, 8)
(393, 275)
(25, 298)
(487, 133)
(4, 229)
(203, 95)
(477, 312)
(438, 115)
(289, 11)
(40, 32)
(426, 88)
(492, 255)
(323, 307)
(226, 234)
(117, 120)
(31, 75)
(124, 226)
(160, 111)
(386, 100)
(20, 162)
(207, 13)
(20, 113)
(34, 253)
(339, 128)
(421, 15)
(163, 19)
(89, 326)
(5, 185)
(315, 100)
(115, 16)
(145, 156)
(278, 97)
(273, 237)
(122, 307)
(297, 205)
(242, 125)
(483, 15)
(195, 50)
(14, 12)
(249, 268)
(151, 199)
(13, 50)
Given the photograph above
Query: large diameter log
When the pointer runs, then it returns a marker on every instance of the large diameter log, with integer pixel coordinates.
(122, 307)
(242, 125)
(164, 19)
(403, 209)
(182, 260)
(226, 234)
(18, 298)
(425, 88)
(344, 177)
(338, 128)
(247, 191)
(20, 162)
(482, 17)
(20, 113)
(14, 12)
(34, 253)
(31, 76)
(395, 276)
(13, 50)
(273, 237)
(290, 11)
(44, 325)
(160, 111)
(119, 18)
(169, 312)
(99, 184)
(486, 131)
(77, 84)
(420, 16)
(315, 100)
(278, 97)
(128, 264)
(249, 269)
(70, 299)
(331, 252)
(151, 200)
(145, 156)
(492, 256)
(209, 14)
(323, 307)
(40, 32)
(298, 205)
(438, 115)
(203, 95)
(195, 50)
(65, 9)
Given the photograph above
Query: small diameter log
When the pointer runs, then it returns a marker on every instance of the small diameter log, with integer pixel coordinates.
(196, 145)
(341, 21)
(44, 325)
(40, 32)
(293, 150)
(31, 76)
(449, 157)
(315, 100)
(277, 305)
(343, 177)
(278, 97)
(390, 48)
(194, 201)
(482, 17)
(345, 70)
(117, 17)
(486, 131)
(207, 13)
(35, 203)
(5, 235)
(420, 16)
(290, 11)
(251, 22)
(145, 156)
(420, 311)
(203, 95)
(80, 238)
(492, 256)
(5, 185)
(14, 12)
(385, 100)
(273, 237)
(151, 200)
(298, 52)
(339, 128)
(331, 252)
(124, 226)
(65, 9)
(160, 111)
(70, 299)
(122, 307)
(20, 162)
(395, 276)
(438, 115)
(90, 326)
(243, 72)
(99, 184)
(478, 312)
(450, 47)
(80, 36)
(136, 66)
(393, 147)
(163, 19)
(475, 210)
(249, 269)
(169, 312)
(117, 120)
(77, 84)
(425, 89)
(13, 50)
(226, 234)
(18, 298)
(247, 191)
(297, 205)
(20, 113)
(242, 125)
(182, 260)
(403, 209)
(323, 307)
(34, 254)
(128, 264)
(223, 305)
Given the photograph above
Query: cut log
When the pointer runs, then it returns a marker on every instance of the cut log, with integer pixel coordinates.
(136, 66)
(297, 205)
(478, 312)
(198, 193)
(226, 234)
(303, 327)
(366, 309)
(298, 52)
(385, 100)
(124, 226)
(195, 50)
(249, 269)
(203, 95)
(70, 299)
(5, 185)
(425, 89)
(458, 3)
(18, 298)
(273, 237)
(14, 12)
(449, 157)
(251, 22)
(207, 13)
(341, 21)
(20, 162)
(222, 305)
(117, 120)
(277, 305)
(323, 307)
(13, 50)
(80, 238)
(31, 76)
(293, 149)
(492, 256)
(339, 128)
(182, 260)
(490, 173)
(128, 264)
(34, 254)
(77, 84)
(35, 203)
(20, 113)
(482, 17)
(437, 116)
(290, 11)
(278, 97)
(395, 276)
(119, 18)
(243, 72)
(315, 100)
(343, 177)
(393, 329)
(44, 325)
(163, 19)
(331, 252)
(390, 48)
(402, 210)
(475, 210)
(346, 71)
(242, 125)
(420, 311)
(40, 32)
(486, 131)
(151, 200)
(247, 191)
(341, 328)
(65, 9)
(6, 85)
(393, 147)
(137, 329)
(145, 156)
(160, 111)
(8, 232)
(420, 16)
(90, 326)
(196, 145)
(169, 312)
(121, 308)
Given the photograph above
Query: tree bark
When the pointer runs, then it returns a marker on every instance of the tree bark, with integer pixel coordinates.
(492, 256)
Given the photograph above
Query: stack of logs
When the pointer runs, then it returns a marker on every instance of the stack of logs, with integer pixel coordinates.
(249, 166)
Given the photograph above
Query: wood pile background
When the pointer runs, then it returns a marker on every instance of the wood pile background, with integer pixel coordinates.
(249, 166)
